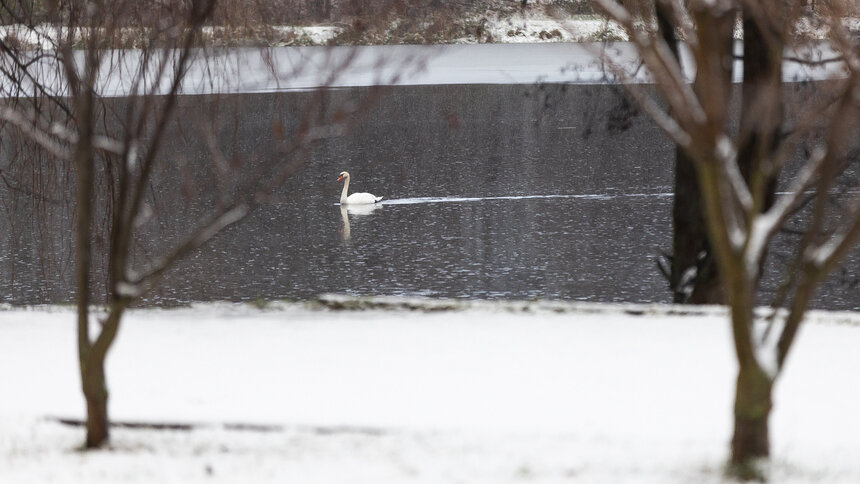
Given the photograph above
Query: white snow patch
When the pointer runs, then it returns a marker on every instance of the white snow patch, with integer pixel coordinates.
(302, 35)
(319, 34)
(533, 29)
(315, 34)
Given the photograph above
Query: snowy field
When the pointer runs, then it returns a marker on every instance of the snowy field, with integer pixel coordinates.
(592, 394)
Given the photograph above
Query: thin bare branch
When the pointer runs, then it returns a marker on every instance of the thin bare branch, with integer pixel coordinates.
(660, 116)
(682, 21)
(828, 254)
(728, 160)
(136, 285)
(770, 222)
(45, 138)
(662, 65)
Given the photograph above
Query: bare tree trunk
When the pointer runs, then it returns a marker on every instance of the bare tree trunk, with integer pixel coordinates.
(761, 119)
(92, 370)
(753, 388)
(94, 382)
(693, 276)
(752, 411)
(96, 396)
(91, 363)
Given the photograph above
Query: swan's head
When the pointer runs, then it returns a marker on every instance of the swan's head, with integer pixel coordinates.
(343, 175)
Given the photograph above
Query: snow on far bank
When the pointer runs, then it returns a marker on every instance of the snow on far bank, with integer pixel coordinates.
(275, 35)
(535, 28)
(490, 393)
(533, 25)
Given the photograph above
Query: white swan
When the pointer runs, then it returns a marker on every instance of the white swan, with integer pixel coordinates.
(355, 198)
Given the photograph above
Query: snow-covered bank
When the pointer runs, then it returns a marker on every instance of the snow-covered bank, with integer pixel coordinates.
(477, 395)
(537, 24)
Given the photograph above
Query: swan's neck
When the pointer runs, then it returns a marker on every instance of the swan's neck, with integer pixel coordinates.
(345, 188)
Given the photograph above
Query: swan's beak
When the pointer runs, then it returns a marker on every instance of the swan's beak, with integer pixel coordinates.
(340, 178)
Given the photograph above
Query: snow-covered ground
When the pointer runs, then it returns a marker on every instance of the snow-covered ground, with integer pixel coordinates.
(491, 394)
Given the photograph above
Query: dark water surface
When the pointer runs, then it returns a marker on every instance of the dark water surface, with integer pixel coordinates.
(491, 191)
(558, 248)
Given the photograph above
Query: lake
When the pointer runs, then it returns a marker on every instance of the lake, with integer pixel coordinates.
(492, 191)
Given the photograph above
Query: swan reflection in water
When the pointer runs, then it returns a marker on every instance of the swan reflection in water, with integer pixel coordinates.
(357, 211)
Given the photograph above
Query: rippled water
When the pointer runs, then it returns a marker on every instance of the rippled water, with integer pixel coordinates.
(540, 246)
(491, 191)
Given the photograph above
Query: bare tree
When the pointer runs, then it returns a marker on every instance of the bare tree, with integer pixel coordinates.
(736, 171)
(57, 89)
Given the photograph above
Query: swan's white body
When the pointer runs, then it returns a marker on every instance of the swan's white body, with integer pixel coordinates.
(355, 198)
